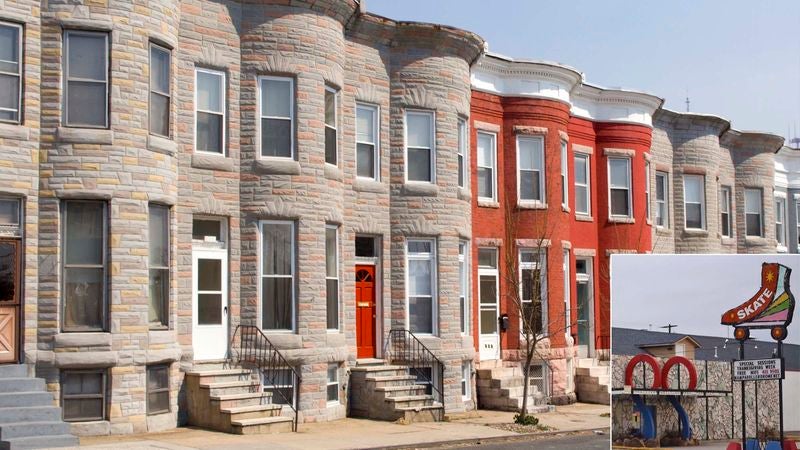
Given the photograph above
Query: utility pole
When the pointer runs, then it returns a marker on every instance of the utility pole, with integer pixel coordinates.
(669, 327)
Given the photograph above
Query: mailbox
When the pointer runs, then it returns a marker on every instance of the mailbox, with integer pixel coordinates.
(503, 322)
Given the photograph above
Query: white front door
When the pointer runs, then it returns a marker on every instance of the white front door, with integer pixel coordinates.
(488, 304)
(210, 304)
(585, 304)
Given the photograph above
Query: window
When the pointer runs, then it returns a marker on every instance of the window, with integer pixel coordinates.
(276, 98)
(367, 157)
(420, 152)
(84, 265)
(530, 161)
(421, 286)
(463, 285)
(160, 79)
(780, 221)
(564, 175)
(10, 72)
(797, 218)
(725, 211)
(280, 382)
(463, 162)
(537, 380)
(423, 377)
(662, 190)
(752, 212)
(694, 199)
(619, 170)
(159, 265)
(487, 159)
(488, 304)
(647, 189)
(466, 380)
(277, 275)
(533, 291)
(583, 198)
(158, 389)
(366, 247)
(332, 275)
(210, 111)
(83, 395)
(209, 231)
(333, 383)
(10, 217)
(331, 107)
(86, 79)
(567, 284)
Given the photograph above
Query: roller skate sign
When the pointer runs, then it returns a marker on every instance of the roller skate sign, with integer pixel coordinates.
(758, 369)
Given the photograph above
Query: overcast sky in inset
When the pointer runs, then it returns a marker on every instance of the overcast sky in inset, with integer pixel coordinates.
(691, 291)
(739, 59)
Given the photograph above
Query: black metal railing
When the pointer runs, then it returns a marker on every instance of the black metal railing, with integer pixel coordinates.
(250, 349)
(403, 348)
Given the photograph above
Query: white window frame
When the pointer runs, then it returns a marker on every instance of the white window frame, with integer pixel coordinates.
(564, 174)
(463, 153)
(376, 154)
(647, 197)
(587, 185)
(726, 194)
(335, 126)
(261, 275)
(464, 285)
(338, 278)
(627, 188)
(466, 380)
(780, 212)
(432, 150)
(542, 172)
(291, 118)
(541, 264)
(67, 79)
(152, 91)
(567, 290)
(167, 307)
(329, 383)
(224, 106)
(797, 219)
(494, 272)
(686, 178)
(20, 72)
(760, 213)
(432, 257)
(664, 176)
(493, 167)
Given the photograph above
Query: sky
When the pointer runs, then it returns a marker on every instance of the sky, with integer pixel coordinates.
(739, 59)
(691, 291)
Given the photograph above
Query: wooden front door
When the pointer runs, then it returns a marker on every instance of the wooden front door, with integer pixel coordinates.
(365, 311)
(10, 288)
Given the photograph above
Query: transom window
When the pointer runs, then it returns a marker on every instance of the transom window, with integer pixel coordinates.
(367, 157)
(583, 198)
(487, 160)
(160, 92)
(420, 150)
(530, 173)
(331, 123)
(83, 395)
(86, 79)
(210, 111)
(10, 72)
(619, 177)
(753, 212)
(725, 211)
(84, 265)
(277, 275)
(694, 199)
(662, 193)
(463, 153)
(276, 97)
(332, 276)
(421, 286)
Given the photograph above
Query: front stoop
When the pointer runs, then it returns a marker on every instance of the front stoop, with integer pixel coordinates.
(232, 401)
(593, 381)
(28, 416)
(501, 388)
(386, 392)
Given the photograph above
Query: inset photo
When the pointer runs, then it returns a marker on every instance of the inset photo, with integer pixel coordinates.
(704, 351)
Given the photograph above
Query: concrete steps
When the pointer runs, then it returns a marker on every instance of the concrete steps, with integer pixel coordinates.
(500, 388)
(593, 381)
(231, 400)
(387, 392)
(28, 415)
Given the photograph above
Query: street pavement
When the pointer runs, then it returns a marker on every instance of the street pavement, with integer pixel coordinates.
(582, 441)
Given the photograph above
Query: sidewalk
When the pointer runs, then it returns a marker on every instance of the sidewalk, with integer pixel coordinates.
(356, 433)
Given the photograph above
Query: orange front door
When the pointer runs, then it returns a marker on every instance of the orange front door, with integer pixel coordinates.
(365, 311)
(9, 300)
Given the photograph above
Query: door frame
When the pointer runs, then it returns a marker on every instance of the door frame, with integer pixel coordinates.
(589, 280)
(16, 303)
(377, 324)
(495, 272)
(222, 255)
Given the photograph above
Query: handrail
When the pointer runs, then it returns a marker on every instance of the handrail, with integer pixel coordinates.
(256, 352)
(403, 347)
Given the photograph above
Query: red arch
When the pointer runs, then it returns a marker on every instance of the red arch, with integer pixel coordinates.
(650, 361)
(685, 363)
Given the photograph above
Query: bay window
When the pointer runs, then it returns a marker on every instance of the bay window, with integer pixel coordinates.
(530, 173)
(158, 311)
(332, 276)
(583, 197)
(277, 275)
(367, 132)
(210, 111)
(694, 198)
(533, 290)
(84, 265)
(421, 285)
(331, 123)
(487, 161)
(420, 149)
(160, 92)
(276, 110)
(86, 78)
(619, 170)
(753, 212)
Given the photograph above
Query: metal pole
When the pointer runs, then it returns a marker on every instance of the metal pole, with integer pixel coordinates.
(780, 390)
(744, 424)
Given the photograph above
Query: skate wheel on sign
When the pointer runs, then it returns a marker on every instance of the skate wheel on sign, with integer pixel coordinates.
(741, 333)
(778, 333)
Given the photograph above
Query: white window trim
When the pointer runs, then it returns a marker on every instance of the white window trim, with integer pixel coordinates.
(541, 264)
(432, 257)
(665, 201)
(542, 173)
(587, 185)
(647, 192)
(627, 188)
(151, 90)
(466, 378)
(335, 127)
(464, 260)
(493, 168)
(224, 106)
(376, 153)
(463, 151)
(20, 72)
(489, 271)
(291, 117)
(338, 279)
(328, 383)
(261, 275)
(797, 219)
(687, 177)
(564, 174)
(67, 79)
(432, 115)
(727, 193)
(760, 213)
(567, 290)
(167, 307)
(780, 205)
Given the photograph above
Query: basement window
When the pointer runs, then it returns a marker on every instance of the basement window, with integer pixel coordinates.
(333, 384)
(83, 395)
(157, 389)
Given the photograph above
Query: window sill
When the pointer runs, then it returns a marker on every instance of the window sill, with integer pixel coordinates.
(276, 166)
(464, 194)
(613, 219)
(565, 208)
(755, 240)
(725, 240)
(488, 203)
(212, 162)
(649, 222)
(369, 185)
(69, 135)
(161, 144)
(420, 189)
(782, 249)
(15, 132)
(663, 231)
(583, 218)
(97, 339)
(531, 205)
(333, 172)
(695, 232)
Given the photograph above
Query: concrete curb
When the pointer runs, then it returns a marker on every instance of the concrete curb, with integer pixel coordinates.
(495, 439)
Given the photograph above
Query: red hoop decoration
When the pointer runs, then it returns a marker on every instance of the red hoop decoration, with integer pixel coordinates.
(680, 360)
(650, 361)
